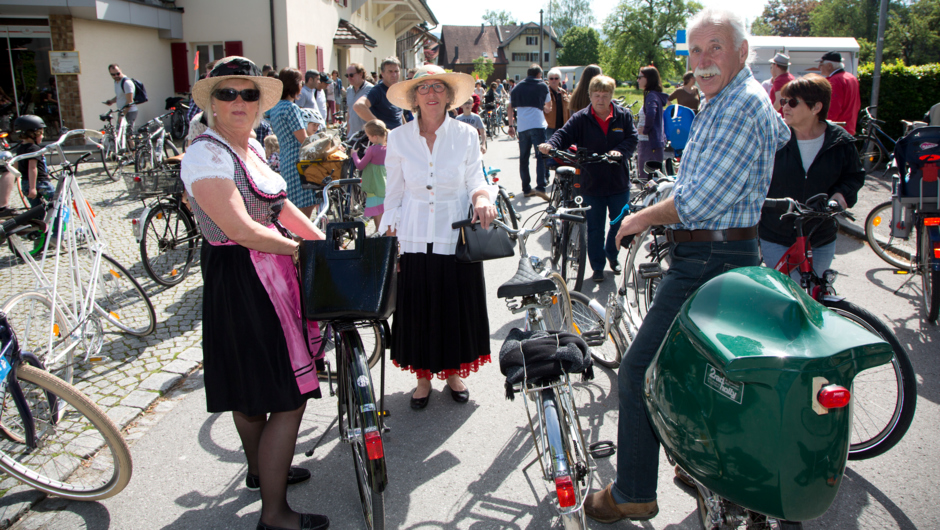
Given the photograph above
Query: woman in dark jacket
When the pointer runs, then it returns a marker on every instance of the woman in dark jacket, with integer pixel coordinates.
(652, 134)
(602, 127)
(819, 158)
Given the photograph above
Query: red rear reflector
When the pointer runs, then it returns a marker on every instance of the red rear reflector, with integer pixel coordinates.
(133, 221)
(172, 108)
(495, 179)
(932, 221)
(374, 445)
(936, 250)
(136, 179)
(833, 396)
(565, 489)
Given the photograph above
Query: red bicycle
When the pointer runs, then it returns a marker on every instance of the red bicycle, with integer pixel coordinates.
(884, 397)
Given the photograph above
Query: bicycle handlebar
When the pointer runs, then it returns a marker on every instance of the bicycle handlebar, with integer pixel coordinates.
(819, 206)
(53, 147)
(328, 183)
(581, 157)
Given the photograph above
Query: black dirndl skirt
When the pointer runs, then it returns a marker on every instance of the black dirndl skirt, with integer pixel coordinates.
(245, 358)
(441, 326)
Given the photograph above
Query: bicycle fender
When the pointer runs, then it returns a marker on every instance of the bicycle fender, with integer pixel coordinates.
(832, 298)
(138, 228)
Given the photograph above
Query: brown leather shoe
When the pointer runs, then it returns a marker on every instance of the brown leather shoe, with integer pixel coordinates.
(601, 507)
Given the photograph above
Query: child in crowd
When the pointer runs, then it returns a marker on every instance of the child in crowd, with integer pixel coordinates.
(272, 150)
(372, 166)
(475, 121)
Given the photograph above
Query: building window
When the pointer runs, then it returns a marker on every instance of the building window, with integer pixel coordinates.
(532, 41)
(208, 53)
(546, 58)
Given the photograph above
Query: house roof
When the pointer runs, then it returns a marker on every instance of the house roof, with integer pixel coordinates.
(347, 34)
(518, 29)
(463, 44)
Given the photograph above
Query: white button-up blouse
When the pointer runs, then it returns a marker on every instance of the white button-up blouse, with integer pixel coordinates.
(428, 191)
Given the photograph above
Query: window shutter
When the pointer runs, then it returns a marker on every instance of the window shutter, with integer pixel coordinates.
(301, 57)
(180, 67)
(233, 47)
(319, 59)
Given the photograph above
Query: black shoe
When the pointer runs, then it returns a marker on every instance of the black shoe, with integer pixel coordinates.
(295, 475)
(598, 276)
(308, 521)
(460, 396)
(419, 403)
(616, 268)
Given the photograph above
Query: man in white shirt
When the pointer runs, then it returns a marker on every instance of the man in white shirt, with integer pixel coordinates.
(323, 81)
(358, 88)
(123, 95)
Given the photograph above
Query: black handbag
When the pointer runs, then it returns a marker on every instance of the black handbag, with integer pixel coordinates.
(476, 244)
(355, 284)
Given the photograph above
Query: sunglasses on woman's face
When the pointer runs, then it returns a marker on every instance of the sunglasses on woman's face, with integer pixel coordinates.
(792, 102)
(424, 89)
(249, 95)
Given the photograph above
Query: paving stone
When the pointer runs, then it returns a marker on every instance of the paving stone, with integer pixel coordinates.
(191, 354)
(108, 401)
(122, 415)
(160, 381)
(140, 399)
(180, 366)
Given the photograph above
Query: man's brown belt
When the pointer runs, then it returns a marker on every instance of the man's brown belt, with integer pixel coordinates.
(703, 236)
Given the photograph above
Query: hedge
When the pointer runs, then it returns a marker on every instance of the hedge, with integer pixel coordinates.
(907, 92)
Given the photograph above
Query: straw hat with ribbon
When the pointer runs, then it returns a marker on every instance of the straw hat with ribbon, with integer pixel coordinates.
(235, 67)
(461, 84)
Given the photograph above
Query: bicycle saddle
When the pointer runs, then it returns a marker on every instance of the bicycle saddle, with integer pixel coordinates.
(565, 171)
(173, 159)
(525, 282)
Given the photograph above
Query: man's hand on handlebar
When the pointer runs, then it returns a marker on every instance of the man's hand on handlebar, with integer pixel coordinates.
(615, 154)
(545, 148)
(839, 199)
(631, 224)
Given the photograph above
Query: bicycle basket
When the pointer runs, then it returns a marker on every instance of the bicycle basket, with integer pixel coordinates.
(358, 282)
(316, 171)
(918, 159)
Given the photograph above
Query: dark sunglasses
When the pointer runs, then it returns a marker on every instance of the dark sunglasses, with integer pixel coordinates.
(249, 95)
(792, 102)
(350, 75)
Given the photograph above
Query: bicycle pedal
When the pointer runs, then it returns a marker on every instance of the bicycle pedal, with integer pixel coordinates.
(602, 449)
(649, 270)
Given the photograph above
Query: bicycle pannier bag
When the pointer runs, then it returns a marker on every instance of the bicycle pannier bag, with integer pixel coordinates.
(355, 284)
(918, 159)
(476, 244)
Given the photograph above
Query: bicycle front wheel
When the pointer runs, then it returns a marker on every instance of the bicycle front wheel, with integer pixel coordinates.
(79, 453)
(505, 210)
(36, 320)
(930, 279)
(169, 148)
(568, 458)
(364, 432)
(557, 317)
(105, 153)
(870, 154)
(121, 300)
(884, 397)
(574, 254)
(168, 244)
(895, 251)
(587, 319)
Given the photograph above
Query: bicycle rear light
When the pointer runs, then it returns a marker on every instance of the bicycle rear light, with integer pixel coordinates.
(374, 445)
(936, 249)
(834, 396)
(565, 489)
(932, 221)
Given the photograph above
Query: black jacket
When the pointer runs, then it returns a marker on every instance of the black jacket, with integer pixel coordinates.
(582, 129)
(836, 169)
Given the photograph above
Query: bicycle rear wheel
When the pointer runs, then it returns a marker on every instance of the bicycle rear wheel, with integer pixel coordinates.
(870, 154)
(168, 244)
(884, 397)
(81, 456)
(574, 254)
(119, 298)
(364, 432)
(930, 279)
(569, 465)
(586, 319)
(558, 316)
(506, 211)
(36, 319)
(169, 148)
(887, 247)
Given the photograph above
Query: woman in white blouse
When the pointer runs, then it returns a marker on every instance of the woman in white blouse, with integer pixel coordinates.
(435, 174)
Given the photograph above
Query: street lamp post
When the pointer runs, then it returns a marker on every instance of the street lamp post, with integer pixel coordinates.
(541, 38)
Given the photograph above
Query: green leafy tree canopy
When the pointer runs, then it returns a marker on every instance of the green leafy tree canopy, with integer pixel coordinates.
(483, 68)
(785, 18)
(566, 14)
(643, 32)
(582, 46)
(498, 18)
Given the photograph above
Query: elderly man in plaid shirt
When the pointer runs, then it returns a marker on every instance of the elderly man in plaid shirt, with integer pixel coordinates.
(712, 221)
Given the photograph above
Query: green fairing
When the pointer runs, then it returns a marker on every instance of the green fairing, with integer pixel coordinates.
(730, 392)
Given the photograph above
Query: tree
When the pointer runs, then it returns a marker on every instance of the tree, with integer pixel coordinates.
(846, 18)
(643, 32)
(582, 46)
(483, 68)
(567, 14)
(912, 34)
(498, 18)
(785, 18)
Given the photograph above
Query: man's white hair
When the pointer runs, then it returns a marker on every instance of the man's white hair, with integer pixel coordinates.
(733, 21)
(553, 71)
(835, 66)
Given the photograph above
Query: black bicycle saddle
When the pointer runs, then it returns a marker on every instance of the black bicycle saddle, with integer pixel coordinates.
(525, 282)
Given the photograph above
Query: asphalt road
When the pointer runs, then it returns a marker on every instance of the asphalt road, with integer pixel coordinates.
(461, 466)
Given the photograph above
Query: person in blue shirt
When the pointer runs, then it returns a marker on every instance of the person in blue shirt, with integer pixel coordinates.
(531, 99)
(375, 106)
(711, 220)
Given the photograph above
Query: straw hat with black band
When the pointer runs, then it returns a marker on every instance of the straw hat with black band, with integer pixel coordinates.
(235, 67)
(399, 94)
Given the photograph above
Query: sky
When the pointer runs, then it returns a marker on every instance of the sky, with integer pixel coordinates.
(451, 13)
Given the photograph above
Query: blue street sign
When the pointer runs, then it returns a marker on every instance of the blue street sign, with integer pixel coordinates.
(682, 47)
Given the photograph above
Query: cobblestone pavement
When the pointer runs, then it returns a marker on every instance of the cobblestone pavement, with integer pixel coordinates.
(133, 372)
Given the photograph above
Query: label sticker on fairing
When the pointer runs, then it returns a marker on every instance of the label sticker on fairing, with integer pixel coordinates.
(719, 383)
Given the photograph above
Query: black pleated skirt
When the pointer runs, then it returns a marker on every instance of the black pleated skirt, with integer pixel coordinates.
(441, 327)
(245, 358)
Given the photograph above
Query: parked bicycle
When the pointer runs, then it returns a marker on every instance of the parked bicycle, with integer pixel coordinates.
(52, 437)
(116, 153)
(872, 151)
(178, 124)
(504, 209)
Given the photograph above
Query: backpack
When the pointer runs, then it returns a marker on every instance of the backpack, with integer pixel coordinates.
(140, 92)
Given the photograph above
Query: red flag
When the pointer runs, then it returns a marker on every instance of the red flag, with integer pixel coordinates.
(196, 62)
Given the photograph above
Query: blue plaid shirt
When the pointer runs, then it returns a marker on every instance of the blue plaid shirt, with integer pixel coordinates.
(729, 160)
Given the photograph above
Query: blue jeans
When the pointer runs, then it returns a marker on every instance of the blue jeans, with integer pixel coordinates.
(528, 140)
(692, 265)
(602, 208)
(822, 257)
(44, 188)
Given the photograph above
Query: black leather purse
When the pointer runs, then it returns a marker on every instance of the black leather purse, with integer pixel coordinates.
(476, 244)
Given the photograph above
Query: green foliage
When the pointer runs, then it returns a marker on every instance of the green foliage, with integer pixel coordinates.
(483, 68)
(912, 33)
(582, 47)
(846, 18)
(785, 18)
(567, 14)
(643, 32)
(906, 92)
(498, 18)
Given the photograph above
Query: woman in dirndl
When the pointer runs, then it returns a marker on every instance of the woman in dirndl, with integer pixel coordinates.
(256, 348)
(435, 175)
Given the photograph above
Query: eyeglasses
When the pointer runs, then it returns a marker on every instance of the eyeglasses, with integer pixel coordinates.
(115, 75)
(641, 77)
(554, 79)
(249, 95)
(351, 75)
(793, 103)
(424, 89)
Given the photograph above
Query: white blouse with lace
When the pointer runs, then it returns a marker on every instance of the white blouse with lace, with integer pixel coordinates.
(208, 160)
